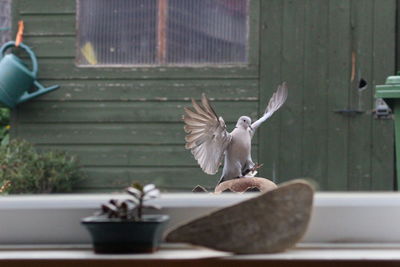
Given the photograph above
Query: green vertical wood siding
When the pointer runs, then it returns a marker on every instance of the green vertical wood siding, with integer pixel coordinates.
(310, 44)
(382, 166)
(125, 123)
(338, 95)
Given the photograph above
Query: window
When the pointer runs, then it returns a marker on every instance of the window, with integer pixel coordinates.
(162, 32)
(5, 21)
(372, 219)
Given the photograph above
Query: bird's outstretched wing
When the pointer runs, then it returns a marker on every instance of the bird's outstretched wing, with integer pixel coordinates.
(207, 137)
(276, 101)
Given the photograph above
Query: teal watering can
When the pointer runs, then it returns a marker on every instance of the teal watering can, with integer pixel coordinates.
(16, 80)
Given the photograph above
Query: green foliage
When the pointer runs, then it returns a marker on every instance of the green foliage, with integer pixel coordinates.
(31, 172)
(4, 125)
(131, 209)
(4, 116)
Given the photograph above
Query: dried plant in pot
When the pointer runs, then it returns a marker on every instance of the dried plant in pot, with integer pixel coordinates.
(121, 226)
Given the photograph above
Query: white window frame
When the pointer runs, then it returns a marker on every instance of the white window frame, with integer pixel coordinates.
(337, 217)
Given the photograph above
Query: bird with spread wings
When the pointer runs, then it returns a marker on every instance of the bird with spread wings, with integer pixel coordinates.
(209, 141)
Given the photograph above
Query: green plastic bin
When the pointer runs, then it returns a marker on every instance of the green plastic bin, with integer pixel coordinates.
(390, 92)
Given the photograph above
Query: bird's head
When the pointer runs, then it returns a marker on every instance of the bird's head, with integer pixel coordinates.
(244, 122)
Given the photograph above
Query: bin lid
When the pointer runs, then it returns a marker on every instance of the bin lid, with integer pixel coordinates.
(391, 88)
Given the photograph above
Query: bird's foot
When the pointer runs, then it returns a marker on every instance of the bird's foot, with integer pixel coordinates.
(256, 167)
(252, 171)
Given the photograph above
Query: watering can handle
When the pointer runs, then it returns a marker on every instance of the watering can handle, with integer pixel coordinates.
(27, 49)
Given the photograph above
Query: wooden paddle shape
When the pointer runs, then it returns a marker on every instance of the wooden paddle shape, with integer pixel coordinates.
(269, 223)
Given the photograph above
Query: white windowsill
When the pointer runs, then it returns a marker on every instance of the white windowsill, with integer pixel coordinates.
(318, 252)
(337, 217)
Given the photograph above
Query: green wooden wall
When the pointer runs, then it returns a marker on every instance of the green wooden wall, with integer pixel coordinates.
(310, 45)
(125, 123)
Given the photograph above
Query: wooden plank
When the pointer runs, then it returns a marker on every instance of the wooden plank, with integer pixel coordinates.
(153, 90)
(57, 112)
(121, 190)
(128, 155)
(131, 155)
(270, 68)
(14, 25)
(254, 32)
(382, 161)
(60, 69)
(397, 37)
(338, 91)
(292, 72)
(315, 125)
(162, 14)
(49, 25)
(43, 7)
(90, 133)
(164, 178)
(104, 133)
(51, 47)
(359, 161)
(56, 61)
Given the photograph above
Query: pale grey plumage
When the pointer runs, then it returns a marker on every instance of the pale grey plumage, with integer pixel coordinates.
(209, 140)
(207, 136)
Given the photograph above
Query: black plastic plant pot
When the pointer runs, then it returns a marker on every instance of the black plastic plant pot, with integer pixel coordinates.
(118, 236)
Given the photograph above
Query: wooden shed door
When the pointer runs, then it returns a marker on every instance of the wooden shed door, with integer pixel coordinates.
(322, 49)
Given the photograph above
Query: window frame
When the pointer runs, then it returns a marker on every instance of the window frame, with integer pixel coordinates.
(344, 217)
(251, 65)
(337, 217)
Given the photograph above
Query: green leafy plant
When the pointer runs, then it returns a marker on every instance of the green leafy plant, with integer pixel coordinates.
(29, 171)
(131, 209)
(4, 125)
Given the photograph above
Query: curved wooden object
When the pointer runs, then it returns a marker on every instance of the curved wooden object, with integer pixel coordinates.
(243, 184)
(271, 222)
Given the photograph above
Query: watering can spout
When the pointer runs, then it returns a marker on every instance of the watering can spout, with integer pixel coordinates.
(41, 90)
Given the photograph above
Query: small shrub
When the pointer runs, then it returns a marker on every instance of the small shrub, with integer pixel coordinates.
(4, 116)
(4, 125)
(31, 172)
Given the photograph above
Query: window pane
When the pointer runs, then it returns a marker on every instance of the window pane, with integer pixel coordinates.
(207, 31)
(5, 21)
(117, 32)
(162, 32)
